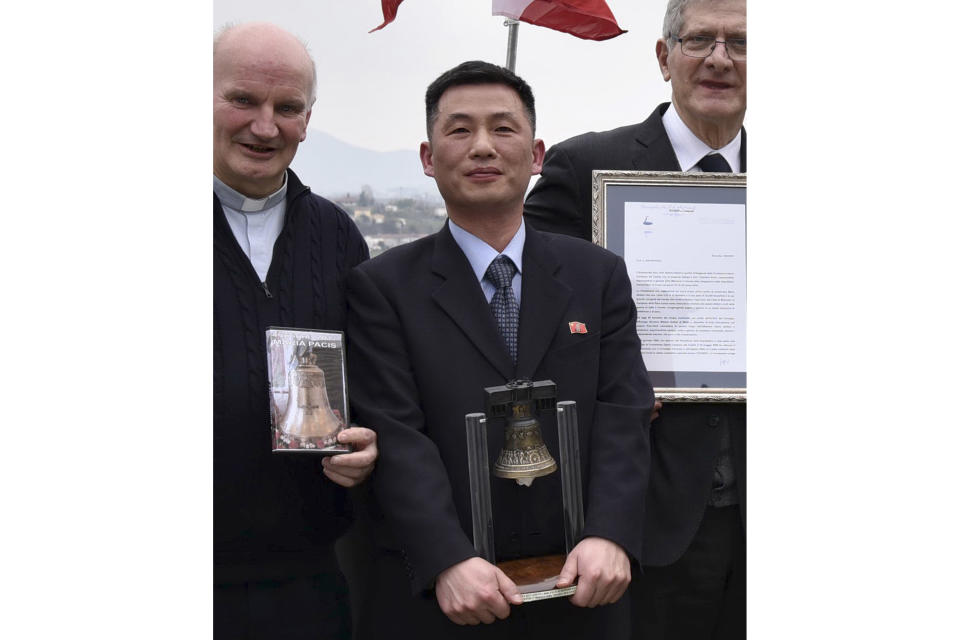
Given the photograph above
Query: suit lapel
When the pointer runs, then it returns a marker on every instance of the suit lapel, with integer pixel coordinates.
(655, 153)
(460, 297)
(544, 300)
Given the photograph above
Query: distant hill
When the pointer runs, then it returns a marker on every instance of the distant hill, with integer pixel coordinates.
(333, 167)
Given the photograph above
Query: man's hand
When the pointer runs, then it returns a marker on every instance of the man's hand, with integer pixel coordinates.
(604, 570)
(475, 591)
(350, 469)
(657, 405)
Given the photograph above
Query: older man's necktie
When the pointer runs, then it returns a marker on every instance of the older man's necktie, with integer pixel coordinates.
(714, 163)
(504, 305)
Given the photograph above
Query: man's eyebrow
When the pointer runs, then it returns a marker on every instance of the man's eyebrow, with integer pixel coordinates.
(505, 115)
(499, 115)
(451, 117)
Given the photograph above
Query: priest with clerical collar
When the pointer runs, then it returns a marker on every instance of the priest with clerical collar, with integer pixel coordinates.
(280, 253)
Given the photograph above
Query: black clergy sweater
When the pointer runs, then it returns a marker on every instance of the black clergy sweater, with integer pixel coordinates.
(274, 514)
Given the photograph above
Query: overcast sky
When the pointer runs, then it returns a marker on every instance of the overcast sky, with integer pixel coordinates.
(371, 85)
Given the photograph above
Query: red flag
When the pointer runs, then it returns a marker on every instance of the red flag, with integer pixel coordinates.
(577, 327)
(587, 19)
(389, 13)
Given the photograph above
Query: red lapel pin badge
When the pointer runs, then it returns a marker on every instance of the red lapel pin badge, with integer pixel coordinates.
(577, 327)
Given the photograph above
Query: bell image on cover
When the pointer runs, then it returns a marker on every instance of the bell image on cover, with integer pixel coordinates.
(307, 389)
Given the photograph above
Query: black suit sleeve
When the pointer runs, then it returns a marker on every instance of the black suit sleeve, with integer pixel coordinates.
(557, 202)
(410, 480)
(619, 445)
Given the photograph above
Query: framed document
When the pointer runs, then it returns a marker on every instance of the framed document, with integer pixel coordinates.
(683, 238)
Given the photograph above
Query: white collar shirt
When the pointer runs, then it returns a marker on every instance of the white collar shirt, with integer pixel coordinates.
(256, 223)
(480, 255)
(690, 149)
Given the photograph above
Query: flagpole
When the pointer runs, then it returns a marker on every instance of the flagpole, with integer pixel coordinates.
(513, 27)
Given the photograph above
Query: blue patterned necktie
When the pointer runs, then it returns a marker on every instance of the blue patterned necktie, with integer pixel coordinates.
(504, 305)
(714, 163)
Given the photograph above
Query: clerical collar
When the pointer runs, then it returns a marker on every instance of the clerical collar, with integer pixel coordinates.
(689, 149)
(232, 198)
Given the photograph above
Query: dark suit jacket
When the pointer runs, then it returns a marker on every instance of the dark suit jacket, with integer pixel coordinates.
(561, 200)
(423, 345)
(685, 440)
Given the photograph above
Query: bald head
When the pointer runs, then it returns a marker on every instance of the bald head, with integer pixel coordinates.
(268, 43)
(263, 90)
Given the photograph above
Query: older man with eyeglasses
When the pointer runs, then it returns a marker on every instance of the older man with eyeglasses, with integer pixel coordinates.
(694, 540)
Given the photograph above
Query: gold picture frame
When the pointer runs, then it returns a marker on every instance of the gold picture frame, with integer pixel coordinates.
(692, 262)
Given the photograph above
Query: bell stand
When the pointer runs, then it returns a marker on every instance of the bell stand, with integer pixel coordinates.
(536, 578)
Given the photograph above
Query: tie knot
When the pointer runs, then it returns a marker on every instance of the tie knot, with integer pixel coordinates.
(714, 163)
(501, 272)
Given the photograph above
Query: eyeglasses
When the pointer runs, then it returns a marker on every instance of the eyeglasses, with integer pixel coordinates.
(703, 46)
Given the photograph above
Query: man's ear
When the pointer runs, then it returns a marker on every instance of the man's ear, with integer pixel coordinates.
(539, 149)
(426, 159)
(662, 53)
(303, 136)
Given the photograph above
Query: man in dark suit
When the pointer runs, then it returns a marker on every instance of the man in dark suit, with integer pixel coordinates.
(694, 530)
(425, 342)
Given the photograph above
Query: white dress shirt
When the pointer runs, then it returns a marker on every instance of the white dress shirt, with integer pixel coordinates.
(256, 223)
(690, 149)
(480, 255)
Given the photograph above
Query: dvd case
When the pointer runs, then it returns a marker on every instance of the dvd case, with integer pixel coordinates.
(308, 390)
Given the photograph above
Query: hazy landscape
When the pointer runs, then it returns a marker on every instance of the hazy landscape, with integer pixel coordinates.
(385, 192)
(332, 167)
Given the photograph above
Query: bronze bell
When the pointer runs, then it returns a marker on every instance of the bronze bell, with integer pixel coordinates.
(308, 414)
(524, 455)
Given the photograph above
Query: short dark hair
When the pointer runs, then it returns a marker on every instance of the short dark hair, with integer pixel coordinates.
(478, 72)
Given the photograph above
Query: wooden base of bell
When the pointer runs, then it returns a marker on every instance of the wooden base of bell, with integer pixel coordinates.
(536, 578)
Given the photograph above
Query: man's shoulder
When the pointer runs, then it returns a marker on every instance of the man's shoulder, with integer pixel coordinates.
(321, 205)
(325, 213)
(568, 249)
(310, 213)
(397, 260)
(601, 140)
(593, 138)
(300, 195)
